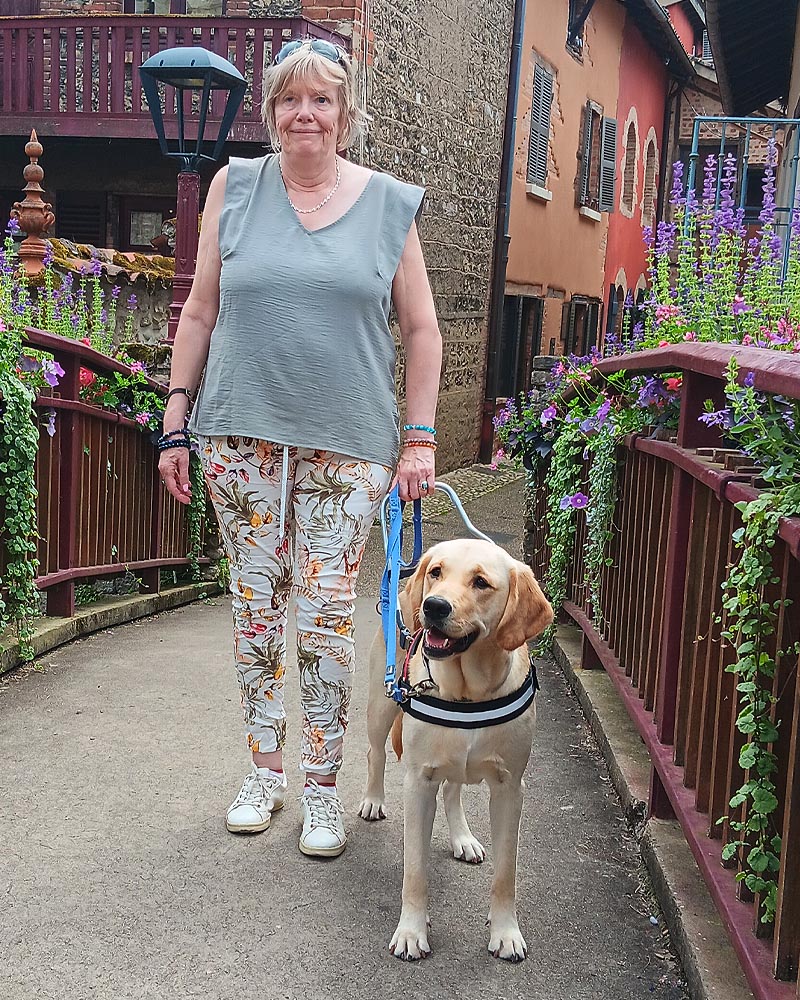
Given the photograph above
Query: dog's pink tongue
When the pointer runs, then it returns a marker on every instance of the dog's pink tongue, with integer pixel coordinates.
(436, 640)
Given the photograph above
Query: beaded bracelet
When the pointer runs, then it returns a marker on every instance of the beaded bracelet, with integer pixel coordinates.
(169, 441)
(420, 427)
(419, 443)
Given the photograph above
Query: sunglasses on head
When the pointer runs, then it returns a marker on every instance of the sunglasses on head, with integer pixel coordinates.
(325, 49)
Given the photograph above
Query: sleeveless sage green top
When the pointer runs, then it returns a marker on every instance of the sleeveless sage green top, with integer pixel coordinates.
(301, 353)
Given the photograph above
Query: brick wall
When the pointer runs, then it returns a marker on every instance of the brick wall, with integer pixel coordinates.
(436, 86)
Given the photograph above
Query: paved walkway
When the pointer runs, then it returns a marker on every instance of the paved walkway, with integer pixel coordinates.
(118, 880)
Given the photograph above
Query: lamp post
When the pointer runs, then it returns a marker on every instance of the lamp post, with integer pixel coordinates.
(189, 69)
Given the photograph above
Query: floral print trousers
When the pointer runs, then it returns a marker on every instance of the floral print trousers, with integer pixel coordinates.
(331, 503)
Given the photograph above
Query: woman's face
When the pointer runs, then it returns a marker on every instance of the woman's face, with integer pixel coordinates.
(307, 116)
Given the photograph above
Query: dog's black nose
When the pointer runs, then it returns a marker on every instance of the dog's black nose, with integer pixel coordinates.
(436, 608)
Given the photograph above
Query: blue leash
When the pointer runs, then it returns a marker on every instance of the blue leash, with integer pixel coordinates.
(394, 571)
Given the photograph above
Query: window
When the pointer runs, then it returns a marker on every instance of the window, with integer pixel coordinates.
(649, 194)
(578, 12)
(140, 221)
(629, 174)
(598, 174)
(540, 126)
(521, 342)
(81, 217)
(753, 192)
(580, 320)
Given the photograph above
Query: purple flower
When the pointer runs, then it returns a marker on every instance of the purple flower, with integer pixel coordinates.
(51, 422)
(52, 372)
(603, 412)
(718, 418)
(49, 255)
(13, 225)
(115, 292)
(549, 414)
(749, 380)
(132, 302)
(739, 306)
(564, 503)
(29, 364)
(578, 501)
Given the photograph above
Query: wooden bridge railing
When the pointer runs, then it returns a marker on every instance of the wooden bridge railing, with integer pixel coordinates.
(660, 642)
(101, 508)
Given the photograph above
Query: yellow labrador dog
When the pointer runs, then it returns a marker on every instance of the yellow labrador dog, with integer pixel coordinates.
(477, 607)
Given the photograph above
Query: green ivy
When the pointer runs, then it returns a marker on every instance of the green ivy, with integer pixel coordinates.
(765, 428)
(19, 441)
(600, 515)
(563, 479)
(195, 513)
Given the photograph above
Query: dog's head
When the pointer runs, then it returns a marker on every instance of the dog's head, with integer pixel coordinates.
(466, 590)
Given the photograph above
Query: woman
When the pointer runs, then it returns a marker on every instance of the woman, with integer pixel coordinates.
(301, 256)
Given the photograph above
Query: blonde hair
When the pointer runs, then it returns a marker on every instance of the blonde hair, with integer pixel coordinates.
(308, 66)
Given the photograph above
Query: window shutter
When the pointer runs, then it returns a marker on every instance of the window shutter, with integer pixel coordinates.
(569, 340)
(608, 163)
(586, 157)
(540, 126)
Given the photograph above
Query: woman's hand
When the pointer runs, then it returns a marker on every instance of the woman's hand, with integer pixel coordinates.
(415, 468)
(173, 467)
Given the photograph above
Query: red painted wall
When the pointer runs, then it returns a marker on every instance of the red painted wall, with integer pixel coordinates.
(643, 86)
(684, 26)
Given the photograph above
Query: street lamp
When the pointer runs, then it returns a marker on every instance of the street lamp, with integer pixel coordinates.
(189, 69)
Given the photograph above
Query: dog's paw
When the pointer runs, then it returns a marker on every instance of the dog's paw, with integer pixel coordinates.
(507, 942)
(410, 942)
(468, 849)
(372, 809)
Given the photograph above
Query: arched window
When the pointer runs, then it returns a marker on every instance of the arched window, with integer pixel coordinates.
(649, 195)
(629, 176)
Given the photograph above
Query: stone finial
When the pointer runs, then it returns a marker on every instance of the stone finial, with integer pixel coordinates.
(34, 214)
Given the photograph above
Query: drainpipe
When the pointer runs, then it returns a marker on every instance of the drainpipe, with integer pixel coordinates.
(502, 237)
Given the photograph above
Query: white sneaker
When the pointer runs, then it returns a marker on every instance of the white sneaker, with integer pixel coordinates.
(323, 828)
(261, 795)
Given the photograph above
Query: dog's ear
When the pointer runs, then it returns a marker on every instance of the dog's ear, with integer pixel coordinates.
(527, 612)
(410, 598)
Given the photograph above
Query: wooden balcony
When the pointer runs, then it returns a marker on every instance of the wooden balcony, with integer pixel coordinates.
(78, 76)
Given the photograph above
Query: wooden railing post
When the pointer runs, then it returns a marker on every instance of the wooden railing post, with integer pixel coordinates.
(151, 578)
(61, 597)
(691, 434)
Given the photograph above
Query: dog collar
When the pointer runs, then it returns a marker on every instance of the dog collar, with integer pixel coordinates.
(474, 714)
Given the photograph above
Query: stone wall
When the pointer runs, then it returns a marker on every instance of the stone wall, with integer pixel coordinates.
(436, 91)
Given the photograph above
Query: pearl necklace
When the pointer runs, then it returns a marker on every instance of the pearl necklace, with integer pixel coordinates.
(325, 200)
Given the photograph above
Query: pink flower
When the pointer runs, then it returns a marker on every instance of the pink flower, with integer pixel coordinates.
(143, 418)
(747, 340)
(663, 343)
(86, 377)
(85, 340)
(673, 384)
(137, 366)
(691, 335)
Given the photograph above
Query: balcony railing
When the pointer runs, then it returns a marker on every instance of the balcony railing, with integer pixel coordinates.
(78, 76)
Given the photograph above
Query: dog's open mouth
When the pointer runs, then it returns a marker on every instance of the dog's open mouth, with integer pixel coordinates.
(437, 645)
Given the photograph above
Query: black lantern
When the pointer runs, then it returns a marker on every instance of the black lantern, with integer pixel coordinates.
(189, 70)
